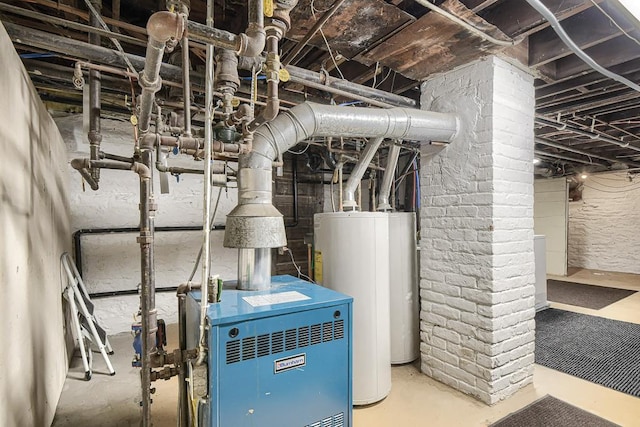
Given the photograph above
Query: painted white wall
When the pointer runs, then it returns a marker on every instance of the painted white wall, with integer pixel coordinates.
(112, 261)
(34, 232)
(550, 215)
(603, 226)
(477, 263)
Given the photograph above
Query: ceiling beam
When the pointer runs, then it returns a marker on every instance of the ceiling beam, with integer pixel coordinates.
(516, 18)
(584, 30)
(610, 53)
(569, 84)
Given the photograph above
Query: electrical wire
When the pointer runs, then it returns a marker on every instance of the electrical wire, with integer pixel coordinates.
(555, 24)
(335, 63)
(613, 21)
(468, 26)
(627, 184)
(213, 215)
(293, 261)
(300, 152)
(113, 40)
(611, 192)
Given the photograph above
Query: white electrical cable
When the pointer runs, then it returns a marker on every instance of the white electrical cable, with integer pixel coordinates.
(613, 21)
(555, 24)
(468, 26)
(113, 40)
(293, 261)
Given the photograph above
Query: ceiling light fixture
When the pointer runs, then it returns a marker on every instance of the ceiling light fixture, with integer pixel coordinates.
(536, 161)
(584, 176)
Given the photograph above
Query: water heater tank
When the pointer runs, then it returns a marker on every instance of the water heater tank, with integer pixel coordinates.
(404, 293)
(352, 257)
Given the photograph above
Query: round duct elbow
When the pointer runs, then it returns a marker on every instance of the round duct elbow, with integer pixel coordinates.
(255, 225)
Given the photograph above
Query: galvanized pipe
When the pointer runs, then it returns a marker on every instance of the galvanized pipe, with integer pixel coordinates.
(33, 15)
(273, 79)
(569, 158)
(95, 137)
(161, 27)
(249, 44)
(77, 49)
(254, 269)
(387, 179)
(348, 198)
(563, 147)
(147, 292)
(593, 135)
(302, 76)
(186, 85)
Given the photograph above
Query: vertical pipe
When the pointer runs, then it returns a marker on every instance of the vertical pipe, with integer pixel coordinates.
(183, 399)
(387, 179)
(95, 137)
(358, 171)
(206, 228)
(147, 297)
(186, 84)
(254, 269)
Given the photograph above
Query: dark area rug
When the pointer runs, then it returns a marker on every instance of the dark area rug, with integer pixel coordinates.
(552, 412)
(603, 351)
(588, 296)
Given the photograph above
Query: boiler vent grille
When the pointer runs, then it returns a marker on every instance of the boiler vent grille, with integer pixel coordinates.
(276, 342)
(334, 421)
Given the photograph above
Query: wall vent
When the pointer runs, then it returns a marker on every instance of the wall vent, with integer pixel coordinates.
(276, 342)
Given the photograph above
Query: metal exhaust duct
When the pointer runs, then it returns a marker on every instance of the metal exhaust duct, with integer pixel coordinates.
(255, 223)
(387, 180)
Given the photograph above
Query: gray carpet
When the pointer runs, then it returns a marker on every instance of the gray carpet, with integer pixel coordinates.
(603, 351)
(552, 412)
(588, 296)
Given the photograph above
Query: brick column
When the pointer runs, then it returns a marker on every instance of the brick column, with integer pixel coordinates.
(477, 263)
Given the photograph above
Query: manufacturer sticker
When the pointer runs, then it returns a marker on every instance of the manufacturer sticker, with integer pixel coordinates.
(288, 363)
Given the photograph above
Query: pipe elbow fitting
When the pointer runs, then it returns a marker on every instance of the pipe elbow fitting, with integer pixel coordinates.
(163, 26)
(142, 170)
(252, 42)
(79, 164)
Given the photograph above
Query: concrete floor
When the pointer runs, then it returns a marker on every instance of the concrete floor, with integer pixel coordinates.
(415, 399)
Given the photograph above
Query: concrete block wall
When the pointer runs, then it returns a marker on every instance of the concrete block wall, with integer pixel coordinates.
(477, 262)
(603, 223)
(112, 261)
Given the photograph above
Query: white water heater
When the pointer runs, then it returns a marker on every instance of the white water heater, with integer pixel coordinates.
(404, 293)
(352, 257)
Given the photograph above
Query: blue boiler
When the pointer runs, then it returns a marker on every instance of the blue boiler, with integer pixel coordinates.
(277, 358)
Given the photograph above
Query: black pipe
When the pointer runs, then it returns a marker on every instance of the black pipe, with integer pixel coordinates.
(128, 292)
(77, 239)
(294, 171)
